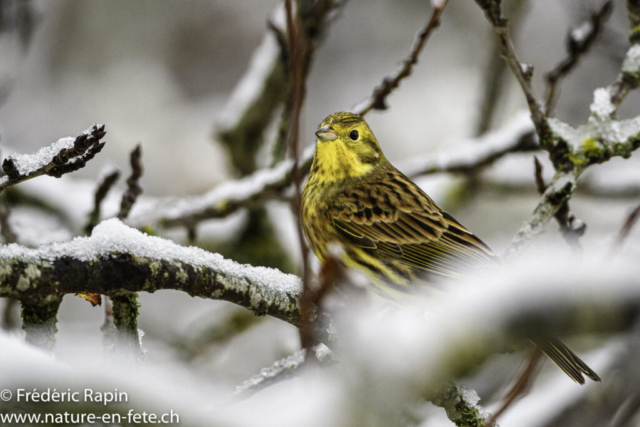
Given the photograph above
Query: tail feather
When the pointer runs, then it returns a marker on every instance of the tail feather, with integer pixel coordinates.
(566, 360)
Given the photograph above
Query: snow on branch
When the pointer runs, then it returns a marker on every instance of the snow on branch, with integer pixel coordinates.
(63, 156)
(517, 136)
(116, 259)
(222, 200)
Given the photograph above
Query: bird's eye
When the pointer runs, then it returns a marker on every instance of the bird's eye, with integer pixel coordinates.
(354, 135)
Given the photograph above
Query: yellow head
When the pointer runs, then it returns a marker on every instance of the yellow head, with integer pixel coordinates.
(346, 148)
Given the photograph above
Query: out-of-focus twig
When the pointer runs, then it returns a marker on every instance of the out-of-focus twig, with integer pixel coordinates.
(5, 228)
(628, 225)
(61, 157)
(125, 306)
(298, 53)
(521, 384)
(102, 190)
(133, 183)
(377, 100)
(7, 321)
(218, 332)
(579, 41)
(284, 369)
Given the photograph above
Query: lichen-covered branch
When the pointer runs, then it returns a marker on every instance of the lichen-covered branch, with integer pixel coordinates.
(117, 259)
(461, 405)
(63, 156)
(595, 142)
(377, 100)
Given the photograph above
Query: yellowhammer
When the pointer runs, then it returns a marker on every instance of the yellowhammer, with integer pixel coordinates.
(388, 226)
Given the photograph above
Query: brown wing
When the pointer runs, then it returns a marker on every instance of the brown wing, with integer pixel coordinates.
(392, 217)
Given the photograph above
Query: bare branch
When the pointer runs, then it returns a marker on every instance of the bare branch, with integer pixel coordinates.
(493, 80)
(133, 186)
(5, 228)
(377, 100)
(579, 41)
(63, 156)
(628, 225)
(102, 190)
(300, 50)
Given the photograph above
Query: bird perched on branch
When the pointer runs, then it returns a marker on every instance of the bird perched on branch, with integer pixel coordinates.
(388, 227)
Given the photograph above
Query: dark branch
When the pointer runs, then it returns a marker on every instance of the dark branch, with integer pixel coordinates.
(101, 192)
(579, 41)
(133, 185)
(377, 100)
(61, 157)
(522, 72)
(628, 225)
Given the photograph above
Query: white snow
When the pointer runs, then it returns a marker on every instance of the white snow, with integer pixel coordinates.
(35, 227)
(467, 152)
(112, 236)
(289, 363)
(631, 62)
(229, 192)
(252, 82)
(602, 106)
(580, 33)
(29, 163)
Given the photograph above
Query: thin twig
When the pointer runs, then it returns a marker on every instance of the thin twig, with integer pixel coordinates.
(377, 100)
(579, 41)
(493, 81)
(522, 383)
(59, 159)
(628, 225)
(133, 185)
(522, 72)
(298, 53)
(5, 228)
(101, 192)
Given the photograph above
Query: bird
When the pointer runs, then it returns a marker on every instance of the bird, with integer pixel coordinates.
(388, 227)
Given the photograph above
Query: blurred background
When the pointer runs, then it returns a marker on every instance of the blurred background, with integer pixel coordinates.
(161, 73)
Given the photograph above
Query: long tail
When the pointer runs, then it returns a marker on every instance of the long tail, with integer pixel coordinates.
(566, 360)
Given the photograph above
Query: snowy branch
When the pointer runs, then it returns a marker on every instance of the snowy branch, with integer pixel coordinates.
(595, 142)
(118, 259)
(63, 156)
